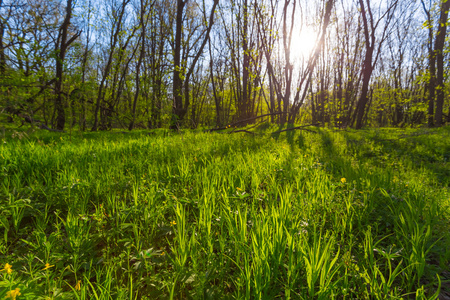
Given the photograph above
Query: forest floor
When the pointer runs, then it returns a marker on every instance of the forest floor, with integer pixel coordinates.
(317, 214)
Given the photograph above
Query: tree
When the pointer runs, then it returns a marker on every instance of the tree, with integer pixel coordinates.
(116, 28)
(144, 63)
(28, 46)
(280, 85)
(431, 84)
(143, 20)
(63, 43)
(84, 65)
(435, 84)
(347, 61)
(182, 70)
(156, 64)
(3, 24)
(281, 72)
(305, 81)
(439, 52)
(244, 58)
(372, 50)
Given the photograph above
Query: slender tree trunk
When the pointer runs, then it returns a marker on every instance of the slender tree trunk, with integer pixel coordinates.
(306, 80)
(143, 26)
(138, 86)
(271, 99)
(369, 27)
(439, 52)
(339, 93)
(62, 47)
(287, 38)
(363, 99)
(267, 40)
(178, 111)
(216, 97)
(2, 48)
(431, 85)
(83, 75)
(158, 81)
(352, 80)
(244, 110)
(368, 67)
(114, 38)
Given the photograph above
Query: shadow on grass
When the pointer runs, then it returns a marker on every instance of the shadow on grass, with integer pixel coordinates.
(426, 150)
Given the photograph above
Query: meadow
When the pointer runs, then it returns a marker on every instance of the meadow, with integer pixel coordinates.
(317, 214)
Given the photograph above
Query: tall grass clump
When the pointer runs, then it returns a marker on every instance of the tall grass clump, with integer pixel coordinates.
(318, 214)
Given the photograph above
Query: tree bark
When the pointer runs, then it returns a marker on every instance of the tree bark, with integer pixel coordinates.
(367, 67)
(83, 70)
(217, 101)
(244, 109)
(178, 110)
(306, 80)
(114, 39)
(2, 47)
(439, 52)
(431, 85)
(369, 27)
(143, 25)
(61, 48)
(180, 77)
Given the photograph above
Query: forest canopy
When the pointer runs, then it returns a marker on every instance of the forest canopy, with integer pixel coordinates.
(99, 65)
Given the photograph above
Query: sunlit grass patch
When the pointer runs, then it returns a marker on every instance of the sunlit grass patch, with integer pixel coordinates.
(301, 215)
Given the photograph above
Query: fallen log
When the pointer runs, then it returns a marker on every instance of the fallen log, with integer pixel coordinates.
(38, 123)
(241, 121)
(297, 128)
(241, 130)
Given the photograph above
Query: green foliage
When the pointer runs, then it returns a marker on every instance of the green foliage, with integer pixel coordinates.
(296, 215)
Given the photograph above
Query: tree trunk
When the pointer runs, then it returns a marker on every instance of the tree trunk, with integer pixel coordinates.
(2, 48)
(178, 111)
(439, 52)
(431, 85)
(62, 46)
(179, 76)
(369, 59)
(363, 99)
(83, 74)
(244, 110)
(368, 67)
(114, 38)
(217, 101)
(143, 25)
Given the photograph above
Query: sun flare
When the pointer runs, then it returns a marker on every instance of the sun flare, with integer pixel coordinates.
(303, 44)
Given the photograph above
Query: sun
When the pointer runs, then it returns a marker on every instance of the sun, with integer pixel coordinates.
(302, 44)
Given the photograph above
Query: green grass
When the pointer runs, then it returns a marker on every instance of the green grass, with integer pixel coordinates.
(297, 215)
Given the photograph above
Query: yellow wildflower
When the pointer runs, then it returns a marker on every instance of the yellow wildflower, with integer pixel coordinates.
(239, 189)
(78, 285)
(13, 294)
(47, 266)
(7, 268)
(172, 223)
(343, 180)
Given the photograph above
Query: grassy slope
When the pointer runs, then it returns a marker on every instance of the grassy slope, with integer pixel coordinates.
(324, 214)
